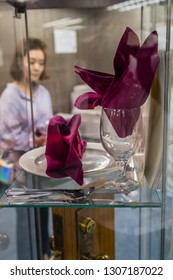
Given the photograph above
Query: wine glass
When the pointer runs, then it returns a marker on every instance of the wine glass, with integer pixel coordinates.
(121, 134)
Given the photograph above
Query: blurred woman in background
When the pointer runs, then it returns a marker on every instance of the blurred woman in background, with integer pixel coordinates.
(15, 107)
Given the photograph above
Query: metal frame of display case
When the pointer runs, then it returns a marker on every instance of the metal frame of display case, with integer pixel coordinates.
(166, 120)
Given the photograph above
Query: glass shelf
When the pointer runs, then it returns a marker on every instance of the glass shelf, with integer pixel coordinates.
(141, 197)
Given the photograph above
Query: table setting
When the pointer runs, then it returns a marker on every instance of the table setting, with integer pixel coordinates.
(100, 173)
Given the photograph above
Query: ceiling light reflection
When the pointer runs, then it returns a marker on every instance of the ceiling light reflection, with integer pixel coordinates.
(132, 4)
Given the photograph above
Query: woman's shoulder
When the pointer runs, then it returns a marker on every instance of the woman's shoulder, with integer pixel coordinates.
(9, 90)
(10, 87)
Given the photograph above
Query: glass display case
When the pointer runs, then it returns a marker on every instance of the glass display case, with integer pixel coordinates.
(103, 222)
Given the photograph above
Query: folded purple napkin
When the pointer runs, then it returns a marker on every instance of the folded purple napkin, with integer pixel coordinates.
(64, 148)
(129, 87)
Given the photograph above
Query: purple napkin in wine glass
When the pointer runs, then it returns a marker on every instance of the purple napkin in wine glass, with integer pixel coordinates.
(135, 67)
(123, 120)
(65, 148)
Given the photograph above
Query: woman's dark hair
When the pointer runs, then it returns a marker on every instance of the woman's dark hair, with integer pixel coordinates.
(16, 71)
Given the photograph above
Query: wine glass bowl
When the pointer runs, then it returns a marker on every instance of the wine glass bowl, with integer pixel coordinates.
(121, 135)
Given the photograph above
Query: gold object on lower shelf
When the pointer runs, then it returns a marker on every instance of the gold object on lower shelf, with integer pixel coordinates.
(87, 225)
(98, 257)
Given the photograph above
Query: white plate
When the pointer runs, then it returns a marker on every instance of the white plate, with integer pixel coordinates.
(95, 161)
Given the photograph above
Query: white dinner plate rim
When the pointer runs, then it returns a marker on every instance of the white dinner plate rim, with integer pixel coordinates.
(33, 154)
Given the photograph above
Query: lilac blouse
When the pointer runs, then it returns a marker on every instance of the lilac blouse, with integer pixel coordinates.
(15, 116)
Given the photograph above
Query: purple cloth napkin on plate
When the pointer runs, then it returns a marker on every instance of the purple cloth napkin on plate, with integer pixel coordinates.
(64, 148)
(135, 67)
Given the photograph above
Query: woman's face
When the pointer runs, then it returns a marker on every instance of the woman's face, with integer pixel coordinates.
(37, 60)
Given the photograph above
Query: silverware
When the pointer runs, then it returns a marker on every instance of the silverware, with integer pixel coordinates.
(91, 202)
(55, 196)
(38, 193)
(74, 193)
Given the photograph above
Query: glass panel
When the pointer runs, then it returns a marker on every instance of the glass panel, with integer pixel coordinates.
(15, 107)
(88, 37)
(160, 20)
(17, 234)
(168, 250)
(76, 37)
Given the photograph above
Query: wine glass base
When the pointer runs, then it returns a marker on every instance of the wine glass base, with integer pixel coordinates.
(122, 187)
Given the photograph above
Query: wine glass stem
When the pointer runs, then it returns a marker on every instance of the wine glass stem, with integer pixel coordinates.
(120, 167)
